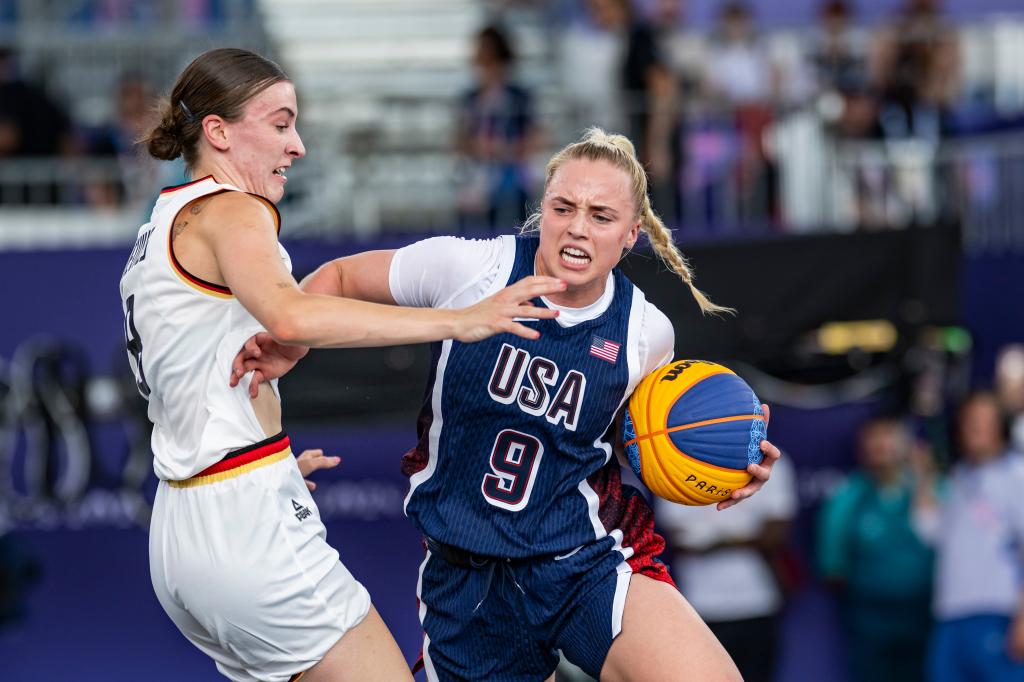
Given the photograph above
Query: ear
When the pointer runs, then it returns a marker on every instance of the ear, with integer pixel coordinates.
(216, 132)
(633, 235)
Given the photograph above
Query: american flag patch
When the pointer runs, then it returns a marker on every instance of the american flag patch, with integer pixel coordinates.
(604, 349)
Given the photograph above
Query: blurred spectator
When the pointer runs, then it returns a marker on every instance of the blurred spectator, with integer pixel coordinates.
(726, 564)
(739, 71)
(979, 531)
(743, 80)
(496, 136)
(31, 126)
(916, 69)
(839, 53)
(132, 117)
(869, 551)
(1010, 389)
(648, 89)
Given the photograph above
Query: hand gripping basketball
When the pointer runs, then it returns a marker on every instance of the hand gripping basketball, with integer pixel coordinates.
(695, 434)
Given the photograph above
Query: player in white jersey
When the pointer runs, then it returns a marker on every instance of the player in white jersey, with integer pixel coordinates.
(238, 554)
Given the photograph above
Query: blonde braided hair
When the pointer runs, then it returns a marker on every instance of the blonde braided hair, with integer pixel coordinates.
(597, 145)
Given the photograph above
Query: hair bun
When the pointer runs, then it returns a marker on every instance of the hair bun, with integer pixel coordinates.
(164, 141)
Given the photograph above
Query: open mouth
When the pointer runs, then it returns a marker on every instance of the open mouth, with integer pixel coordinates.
(574, 256)
(280, 171)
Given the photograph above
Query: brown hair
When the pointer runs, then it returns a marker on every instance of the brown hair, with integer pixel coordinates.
(597, 145)
(217, 82)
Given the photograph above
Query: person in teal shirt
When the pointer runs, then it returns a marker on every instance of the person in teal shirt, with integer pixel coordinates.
(869, 550)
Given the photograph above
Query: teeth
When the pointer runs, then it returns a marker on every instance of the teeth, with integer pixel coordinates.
(575, 256)
(279, 171)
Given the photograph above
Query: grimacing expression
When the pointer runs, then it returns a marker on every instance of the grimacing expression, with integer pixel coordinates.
(588, 219)
(264, 141)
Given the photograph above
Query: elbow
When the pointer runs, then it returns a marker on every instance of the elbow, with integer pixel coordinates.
(288, 330)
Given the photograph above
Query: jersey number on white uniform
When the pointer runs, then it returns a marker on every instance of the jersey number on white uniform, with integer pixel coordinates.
(134, 343)
(515, 459)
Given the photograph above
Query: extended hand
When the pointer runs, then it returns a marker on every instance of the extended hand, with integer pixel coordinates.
(266, 358)
(498, 313)
(761, 472)
(313, 460)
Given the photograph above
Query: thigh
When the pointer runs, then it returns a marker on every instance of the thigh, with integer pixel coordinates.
(663, 639)
(594, 613)
(366, 652)
(474, 628)
(249, 560)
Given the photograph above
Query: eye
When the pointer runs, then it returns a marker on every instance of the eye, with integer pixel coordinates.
(601, 218)
(561, 210)
(282, 127)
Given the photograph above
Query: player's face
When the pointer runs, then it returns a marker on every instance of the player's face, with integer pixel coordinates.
(588, 218)
(264, 142)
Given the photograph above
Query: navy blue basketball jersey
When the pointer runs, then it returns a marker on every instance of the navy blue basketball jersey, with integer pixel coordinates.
(512, 428)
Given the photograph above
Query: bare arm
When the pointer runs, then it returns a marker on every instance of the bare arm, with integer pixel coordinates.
(363, 276)
(240, 232)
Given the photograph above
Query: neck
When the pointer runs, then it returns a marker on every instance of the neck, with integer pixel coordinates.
(220, 172)
(572, 297)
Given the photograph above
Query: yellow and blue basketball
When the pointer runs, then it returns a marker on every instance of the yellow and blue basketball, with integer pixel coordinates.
(691, 429)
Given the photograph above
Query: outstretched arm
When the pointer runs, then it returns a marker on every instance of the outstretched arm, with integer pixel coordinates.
(244, 243)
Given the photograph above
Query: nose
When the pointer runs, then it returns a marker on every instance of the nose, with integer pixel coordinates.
(296, 148)
(578, 225)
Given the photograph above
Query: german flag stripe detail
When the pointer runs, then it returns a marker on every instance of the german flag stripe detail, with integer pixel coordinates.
(199, 284)
(238, 462)
(272, 207)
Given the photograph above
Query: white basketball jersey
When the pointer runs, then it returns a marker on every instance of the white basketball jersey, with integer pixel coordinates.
(182, 334)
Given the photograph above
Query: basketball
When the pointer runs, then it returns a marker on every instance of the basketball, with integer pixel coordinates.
(691, 429)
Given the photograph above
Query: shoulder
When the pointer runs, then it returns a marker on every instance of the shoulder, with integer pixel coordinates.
(456, 250)
(236, 206)
(657, 326)
(448, 271)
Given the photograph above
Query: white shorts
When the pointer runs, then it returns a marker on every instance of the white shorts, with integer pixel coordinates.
(240, 562)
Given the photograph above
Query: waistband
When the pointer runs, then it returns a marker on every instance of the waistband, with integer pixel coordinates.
(456, 556)
(238, 462)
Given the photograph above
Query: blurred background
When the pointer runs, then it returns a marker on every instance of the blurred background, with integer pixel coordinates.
(848, 175)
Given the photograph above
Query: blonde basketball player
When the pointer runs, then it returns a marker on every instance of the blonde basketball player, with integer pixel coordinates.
(535, 545)
(238, 553)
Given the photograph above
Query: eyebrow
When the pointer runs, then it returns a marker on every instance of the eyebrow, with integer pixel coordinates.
(286, 110)
(605, 209)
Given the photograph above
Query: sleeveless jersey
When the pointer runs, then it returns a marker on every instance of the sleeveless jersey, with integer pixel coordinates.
(512, 428)
(182, 334)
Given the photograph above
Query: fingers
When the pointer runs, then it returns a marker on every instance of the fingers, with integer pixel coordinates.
(252, 349)
(767, 413)
(532, 287)
(760, 473)
(534, 312)
(524, 331)
(741, 494)
(254, 384)
(310, 485)
(313, 460)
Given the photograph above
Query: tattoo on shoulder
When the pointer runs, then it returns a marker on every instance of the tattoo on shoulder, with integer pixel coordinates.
(197, 207)
(284, 285)
(179, 227)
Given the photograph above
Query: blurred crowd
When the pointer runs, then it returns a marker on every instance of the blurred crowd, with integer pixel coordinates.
(728, 121)
(733, 124)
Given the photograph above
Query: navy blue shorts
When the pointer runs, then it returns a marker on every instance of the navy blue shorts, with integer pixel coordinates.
(506, 620)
